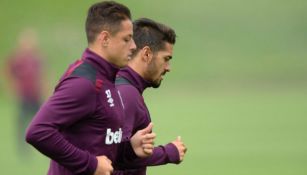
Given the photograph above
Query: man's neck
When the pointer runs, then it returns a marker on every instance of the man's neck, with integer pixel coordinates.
(98, 51)
(136, 67)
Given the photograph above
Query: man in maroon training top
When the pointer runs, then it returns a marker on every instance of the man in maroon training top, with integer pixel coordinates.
(150, 61)
(80, 126)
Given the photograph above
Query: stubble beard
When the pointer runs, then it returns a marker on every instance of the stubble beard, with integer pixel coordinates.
(152, 71)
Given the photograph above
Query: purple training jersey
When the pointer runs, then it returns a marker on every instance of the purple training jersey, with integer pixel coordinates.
(81, 120)
(131, 86)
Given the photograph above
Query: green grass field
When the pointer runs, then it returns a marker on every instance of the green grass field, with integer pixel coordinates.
(237, 92)
(227, 132)
(235, 132)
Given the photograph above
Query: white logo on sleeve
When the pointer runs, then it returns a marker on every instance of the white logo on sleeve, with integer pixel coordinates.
(113, 137)
(110, 99)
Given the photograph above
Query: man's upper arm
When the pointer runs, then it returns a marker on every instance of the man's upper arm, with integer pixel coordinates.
(73, 100)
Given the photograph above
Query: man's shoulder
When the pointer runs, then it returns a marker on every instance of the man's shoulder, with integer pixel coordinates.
(125, 86)
(81, 72)
(122, 81)
(85, 70)
(128, 90)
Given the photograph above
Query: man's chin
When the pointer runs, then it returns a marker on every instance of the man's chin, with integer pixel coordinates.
(156, 85)
(123, 64)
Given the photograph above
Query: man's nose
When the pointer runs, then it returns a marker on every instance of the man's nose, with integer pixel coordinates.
(133, 45)
(168, 67)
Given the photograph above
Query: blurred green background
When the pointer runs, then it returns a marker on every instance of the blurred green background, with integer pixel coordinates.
(237, 92)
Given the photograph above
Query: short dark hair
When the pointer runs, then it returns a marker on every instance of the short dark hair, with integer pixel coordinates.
(147, 32)
(106, 15)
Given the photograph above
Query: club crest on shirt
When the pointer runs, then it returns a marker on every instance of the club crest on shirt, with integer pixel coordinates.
(109, 97)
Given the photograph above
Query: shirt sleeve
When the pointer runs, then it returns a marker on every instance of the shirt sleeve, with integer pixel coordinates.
(73, 99)
(161, 155)
(128, 159)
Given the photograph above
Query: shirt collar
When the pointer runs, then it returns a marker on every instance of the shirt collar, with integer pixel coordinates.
(134, 78)
(101, 64)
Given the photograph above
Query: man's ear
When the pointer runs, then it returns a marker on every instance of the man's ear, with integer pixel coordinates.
(147, 54)
(103, 38)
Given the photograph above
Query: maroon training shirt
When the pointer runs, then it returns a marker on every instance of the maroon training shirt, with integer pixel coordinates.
(81, 120)
(131, 86)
